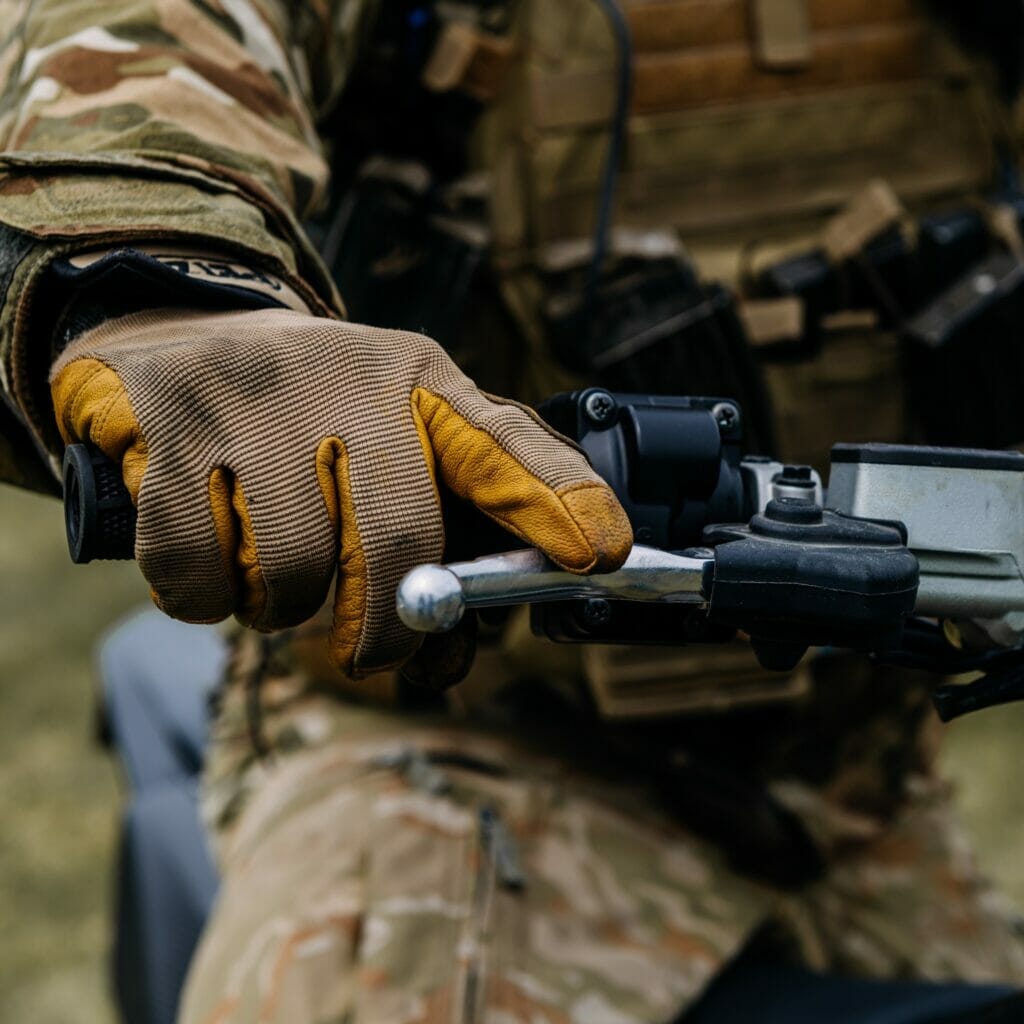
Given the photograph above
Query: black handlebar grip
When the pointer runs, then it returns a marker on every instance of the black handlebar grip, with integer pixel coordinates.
(99, 516)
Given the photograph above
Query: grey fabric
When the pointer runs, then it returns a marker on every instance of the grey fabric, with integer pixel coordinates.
(167, 883)
(158, 676)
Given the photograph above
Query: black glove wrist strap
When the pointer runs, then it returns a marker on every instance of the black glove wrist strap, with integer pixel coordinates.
(90, 288)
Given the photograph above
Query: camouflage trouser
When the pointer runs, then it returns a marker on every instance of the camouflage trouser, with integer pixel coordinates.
(390, 869)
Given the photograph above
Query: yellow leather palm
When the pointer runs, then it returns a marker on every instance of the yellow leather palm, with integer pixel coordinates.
(271, 452)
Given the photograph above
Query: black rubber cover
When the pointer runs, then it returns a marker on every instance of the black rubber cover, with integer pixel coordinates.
(800, 576)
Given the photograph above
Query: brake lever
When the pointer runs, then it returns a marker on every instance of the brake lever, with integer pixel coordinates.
(433, 598)
(795, 576)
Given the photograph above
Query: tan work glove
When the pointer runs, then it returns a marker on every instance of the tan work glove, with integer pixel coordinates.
(266, 449)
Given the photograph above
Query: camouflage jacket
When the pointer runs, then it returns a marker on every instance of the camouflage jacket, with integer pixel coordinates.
(199, 116)
(204, 118)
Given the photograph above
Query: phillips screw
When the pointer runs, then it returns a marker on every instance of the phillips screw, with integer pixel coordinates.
(600, 408)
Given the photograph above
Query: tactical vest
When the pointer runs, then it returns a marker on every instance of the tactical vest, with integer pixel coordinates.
(752, 122)
(747, 116)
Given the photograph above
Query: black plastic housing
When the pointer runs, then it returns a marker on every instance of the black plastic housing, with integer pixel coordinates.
(672, 461)
(800, 576)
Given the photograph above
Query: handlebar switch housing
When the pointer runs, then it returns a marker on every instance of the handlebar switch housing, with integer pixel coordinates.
(673, 462)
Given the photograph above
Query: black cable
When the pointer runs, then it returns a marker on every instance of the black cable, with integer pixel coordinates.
(925, 647)
(616, 144)
(952, 700)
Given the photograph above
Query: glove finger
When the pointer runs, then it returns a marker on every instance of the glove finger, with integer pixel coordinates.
(267, 598)
(194, 574)
(178, 556)
(501, 457)
(382, 536)
(285, 547)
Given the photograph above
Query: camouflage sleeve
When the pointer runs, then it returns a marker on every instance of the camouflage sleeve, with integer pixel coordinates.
(170, 121)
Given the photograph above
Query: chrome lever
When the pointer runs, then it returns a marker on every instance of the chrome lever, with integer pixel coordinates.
(433, 598)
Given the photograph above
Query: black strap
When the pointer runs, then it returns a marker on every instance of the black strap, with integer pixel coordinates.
(128, 281)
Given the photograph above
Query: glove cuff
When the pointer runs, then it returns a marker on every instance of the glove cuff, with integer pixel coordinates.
(92, 287)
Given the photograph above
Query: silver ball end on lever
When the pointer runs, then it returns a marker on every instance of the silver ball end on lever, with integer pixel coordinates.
(430, 599)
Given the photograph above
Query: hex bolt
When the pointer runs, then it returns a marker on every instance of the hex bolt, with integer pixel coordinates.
(596, 612)
(600, 408)
(794, 482)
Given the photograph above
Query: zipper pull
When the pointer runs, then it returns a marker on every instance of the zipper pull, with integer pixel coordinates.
(500, 844)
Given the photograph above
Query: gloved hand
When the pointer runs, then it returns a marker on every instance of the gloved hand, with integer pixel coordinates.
(264, 450)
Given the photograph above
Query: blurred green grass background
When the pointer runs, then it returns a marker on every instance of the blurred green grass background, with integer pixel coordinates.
(59, 797)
